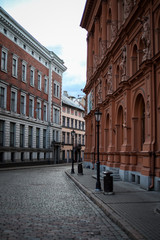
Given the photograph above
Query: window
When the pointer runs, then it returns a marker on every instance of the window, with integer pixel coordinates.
(83, 140)
(56, 89)
(32, 76)
(68, 122)
(64, 109)
(79, 124)
(45, 112)
(23, 104)
(79, 140)
(64, 119)
(37, 137)
(30, 134)
(12, 134)
(63, 137)
(13, 101)
(39, 81)
(38, 110)
(44, 138)
(72, 122)
(46, 85)
(1, 133)
(56, 115)
(4, 60)
(53, 135)
(82, 125)
(68, 110)
(15, 66)
(31, 107)
(21, 135)
(3, 96)
(67, 138)
(75, 123)
(24, 71)
(57, 136)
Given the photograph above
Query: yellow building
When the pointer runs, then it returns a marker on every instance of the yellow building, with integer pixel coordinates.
(72, 119)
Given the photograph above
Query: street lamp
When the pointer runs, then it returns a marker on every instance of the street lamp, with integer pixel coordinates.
(72, 134)
(98, 118)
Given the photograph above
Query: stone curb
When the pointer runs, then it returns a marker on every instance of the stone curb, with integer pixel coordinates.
(114, 216)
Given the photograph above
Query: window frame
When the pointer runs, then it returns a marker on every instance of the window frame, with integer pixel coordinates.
(39, 81)
(32, 82)
(24, 76)
(15, 66)
(45, 112)
(4, 63)
(32, 108)
(24, 107)
(5, 96)
(15, 103)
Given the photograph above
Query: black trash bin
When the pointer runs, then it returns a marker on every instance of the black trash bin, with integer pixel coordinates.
(108, 182)
(80, 168)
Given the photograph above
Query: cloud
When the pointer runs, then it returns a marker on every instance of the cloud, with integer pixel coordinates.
(56, 26)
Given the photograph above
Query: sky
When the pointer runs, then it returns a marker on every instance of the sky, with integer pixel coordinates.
(56, 25)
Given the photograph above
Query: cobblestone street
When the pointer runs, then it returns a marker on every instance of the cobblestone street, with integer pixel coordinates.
(43, 203)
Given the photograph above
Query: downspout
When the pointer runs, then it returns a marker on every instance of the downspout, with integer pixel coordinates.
(154, 113)
(154, 131)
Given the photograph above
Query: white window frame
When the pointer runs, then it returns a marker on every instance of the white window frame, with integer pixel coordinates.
(15, 104)
(39, 81)
(5, 96)
(56, 90)
(38, 109)
(24, 78)
(32, 115)
(15, 67)
(46, 85)
(32, 69)
(24, 107)
(45, 115)
(56, 115)
(4, 63)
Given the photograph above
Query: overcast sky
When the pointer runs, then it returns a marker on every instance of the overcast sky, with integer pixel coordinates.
(56, 25)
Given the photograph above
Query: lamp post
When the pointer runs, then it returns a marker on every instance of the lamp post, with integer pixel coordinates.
(72, 134)
(98, 118)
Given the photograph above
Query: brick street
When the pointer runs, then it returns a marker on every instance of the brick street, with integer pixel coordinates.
(43, 203)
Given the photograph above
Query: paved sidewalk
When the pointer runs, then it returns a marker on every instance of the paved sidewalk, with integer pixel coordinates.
(135, 210)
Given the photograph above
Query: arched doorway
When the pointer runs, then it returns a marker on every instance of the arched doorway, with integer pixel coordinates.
(120, 128)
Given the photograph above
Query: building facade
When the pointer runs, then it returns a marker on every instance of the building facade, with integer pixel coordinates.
(72, 119)
(30, 96)
(123, 82)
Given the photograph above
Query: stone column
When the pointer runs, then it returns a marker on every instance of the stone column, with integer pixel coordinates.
(104, 27)
(96, 42)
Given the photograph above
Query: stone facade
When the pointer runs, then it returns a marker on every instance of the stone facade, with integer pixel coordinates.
(129, 69)
(30, 96)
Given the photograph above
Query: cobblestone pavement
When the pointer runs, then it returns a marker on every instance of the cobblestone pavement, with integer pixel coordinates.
(43, 203)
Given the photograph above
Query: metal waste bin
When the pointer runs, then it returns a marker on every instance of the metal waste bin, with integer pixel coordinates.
(108, 182)
(80, 168)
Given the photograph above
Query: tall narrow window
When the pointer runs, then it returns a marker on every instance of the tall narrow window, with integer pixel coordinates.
(2, 97)
(12, 134)
(38, 110)
(37, 137)
(32, 77)
(45, 85)
(45, 112)
(4, 60)
(23, 105)
(31, 107)
(13, 101)
(44, 138)
(1, 133)
(21, 135)
(30, 134)
(24, 71)
(39, 81)
(14, 66)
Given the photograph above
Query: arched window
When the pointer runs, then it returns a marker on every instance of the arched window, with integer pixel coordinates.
(120, 128)
(134, 60)
(139, 123)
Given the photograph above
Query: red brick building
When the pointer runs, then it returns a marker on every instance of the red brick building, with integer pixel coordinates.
(30, 96)
(123, 81)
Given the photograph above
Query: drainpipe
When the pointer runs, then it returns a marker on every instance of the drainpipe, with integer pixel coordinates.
(154, 129)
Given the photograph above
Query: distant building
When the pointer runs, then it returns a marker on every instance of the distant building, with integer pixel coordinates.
(123, 82)
(30, 96)
(72, 119)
